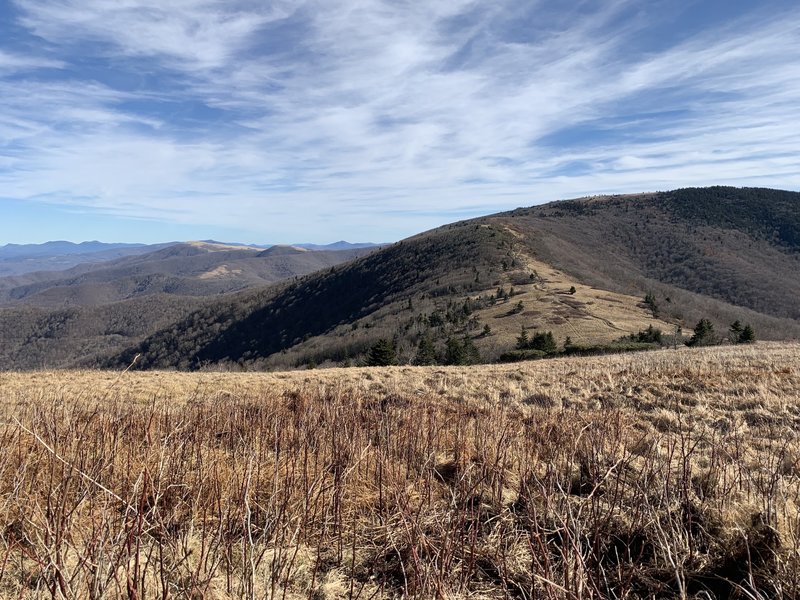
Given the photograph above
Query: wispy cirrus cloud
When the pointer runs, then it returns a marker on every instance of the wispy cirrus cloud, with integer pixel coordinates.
(16, 63)
(375, 119)
(193, 34)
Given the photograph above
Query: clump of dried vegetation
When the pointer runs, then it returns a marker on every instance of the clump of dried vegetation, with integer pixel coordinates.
(667, 474)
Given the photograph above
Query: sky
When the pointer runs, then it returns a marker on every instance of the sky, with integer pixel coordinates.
(371, 120)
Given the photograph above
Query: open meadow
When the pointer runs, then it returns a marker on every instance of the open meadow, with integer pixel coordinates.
(672, 473)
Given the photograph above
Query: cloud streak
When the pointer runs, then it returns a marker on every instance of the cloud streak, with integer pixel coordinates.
(374, 119)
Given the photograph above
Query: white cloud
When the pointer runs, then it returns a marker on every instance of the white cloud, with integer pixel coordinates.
(195, 34)
(13, 63)
(377, 107)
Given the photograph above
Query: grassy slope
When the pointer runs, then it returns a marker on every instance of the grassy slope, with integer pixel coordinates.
(712, 251)
(649, 475)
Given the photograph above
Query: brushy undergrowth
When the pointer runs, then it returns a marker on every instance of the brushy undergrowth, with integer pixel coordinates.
(670, 474)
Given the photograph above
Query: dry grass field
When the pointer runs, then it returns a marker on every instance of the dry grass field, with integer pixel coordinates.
(655, 475)
(589, 316)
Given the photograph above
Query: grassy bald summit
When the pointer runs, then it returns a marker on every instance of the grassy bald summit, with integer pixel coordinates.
(740, 246)
(280, 250)
(578, 269)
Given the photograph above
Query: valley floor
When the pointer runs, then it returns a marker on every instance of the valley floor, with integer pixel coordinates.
(673, 473)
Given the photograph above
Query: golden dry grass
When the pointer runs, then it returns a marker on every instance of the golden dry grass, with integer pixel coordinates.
(589, 316)
(663, 474)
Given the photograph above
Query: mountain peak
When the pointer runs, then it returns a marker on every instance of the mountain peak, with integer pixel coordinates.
(283, 250)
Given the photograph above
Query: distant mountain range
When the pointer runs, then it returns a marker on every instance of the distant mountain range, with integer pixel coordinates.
(62, 248)
(578, 269)
(186, 269)
(18, 259)
(341, 245)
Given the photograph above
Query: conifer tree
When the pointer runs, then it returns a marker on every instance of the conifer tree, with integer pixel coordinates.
(426, 352)
(381, 354)
(652, 304)
(735, 331)
(471, 354)
(703, 334)
(453, 352)
(522, 339)
(544, 342)
(747, 336)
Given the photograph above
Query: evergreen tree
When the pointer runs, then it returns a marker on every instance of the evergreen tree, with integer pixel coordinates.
(652, 304)
(471, 354)
(461, 352)
(747, 336)
(651, 335)
(381, 354)
(426, 352)
(544, 342)
(735, 331)
(453, 352)
(522, 339)
(436, 319)
(703, 334)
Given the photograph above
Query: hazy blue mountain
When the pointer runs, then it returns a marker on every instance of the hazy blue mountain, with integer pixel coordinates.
(340, 245)
(60, 248)
(184, 269)
(60, 255)
(19, 259)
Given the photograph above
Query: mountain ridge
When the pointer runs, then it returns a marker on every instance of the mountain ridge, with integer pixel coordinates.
(656, 241)
(579, 268)
(61, 255)
(62, 247)
(192, 269)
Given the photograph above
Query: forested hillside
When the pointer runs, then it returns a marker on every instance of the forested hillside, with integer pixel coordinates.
(725, 254)
(737, 245)
(36, 338)
(449, 262)
(584, 275)
(189, 269)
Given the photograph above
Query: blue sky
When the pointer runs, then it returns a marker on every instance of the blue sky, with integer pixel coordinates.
(371, 120)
